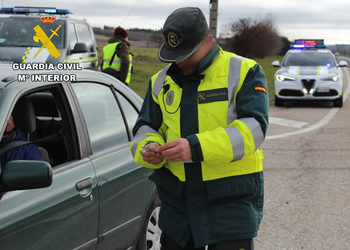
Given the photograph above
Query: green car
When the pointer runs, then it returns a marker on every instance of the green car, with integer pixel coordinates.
(48, 35)
(87, 193)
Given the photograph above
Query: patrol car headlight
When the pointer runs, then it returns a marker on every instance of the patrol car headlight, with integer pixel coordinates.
(333, 78)
(282, 78)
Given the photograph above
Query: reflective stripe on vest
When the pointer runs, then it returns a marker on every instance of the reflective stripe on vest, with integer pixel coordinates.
(141, 135)
(130, 70)
(158, 85)
(109, 60)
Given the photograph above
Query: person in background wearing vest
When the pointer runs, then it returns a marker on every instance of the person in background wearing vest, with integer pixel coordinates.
(202, 123)
(117, 59)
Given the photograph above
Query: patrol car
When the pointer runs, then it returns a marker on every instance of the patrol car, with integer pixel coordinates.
(45, 35)
(309, 71)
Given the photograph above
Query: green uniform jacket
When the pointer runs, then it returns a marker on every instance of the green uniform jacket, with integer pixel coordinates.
(223, 112)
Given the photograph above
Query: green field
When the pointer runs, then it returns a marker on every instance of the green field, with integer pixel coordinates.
(146, 64)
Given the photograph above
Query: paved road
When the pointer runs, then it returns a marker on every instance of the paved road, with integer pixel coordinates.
(307, 177)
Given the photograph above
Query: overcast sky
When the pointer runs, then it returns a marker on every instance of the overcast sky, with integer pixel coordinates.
(294, 19)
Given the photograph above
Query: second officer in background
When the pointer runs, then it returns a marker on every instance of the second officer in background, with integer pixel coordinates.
(117, 59)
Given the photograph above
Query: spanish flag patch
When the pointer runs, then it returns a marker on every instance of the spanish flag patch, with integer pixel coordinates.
(260, 88)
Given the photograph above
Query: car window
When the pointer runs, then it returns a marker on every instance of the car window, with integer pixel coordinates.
(102, 114)
(72, 35)
(309, 59)
(40, 115)
(130, 112)
(85, 35)
(48, 122)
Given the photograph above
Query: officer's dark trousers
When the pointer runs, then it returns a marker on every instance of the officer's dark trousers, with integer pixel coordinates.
(170, 244)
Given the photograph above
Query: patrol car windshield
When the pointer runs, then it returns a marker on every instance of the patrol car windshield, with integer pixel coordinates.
(23, 32)
(309, 58)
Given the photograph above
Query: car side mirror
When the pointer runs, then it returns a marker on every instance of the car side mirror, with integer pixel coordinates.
(342, 64)
(21, 175)
(79, 48)
(276, 64)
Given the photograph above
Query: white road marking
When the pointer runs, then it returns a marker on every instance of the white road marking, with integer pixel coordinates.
(287, 123)
(322, 122)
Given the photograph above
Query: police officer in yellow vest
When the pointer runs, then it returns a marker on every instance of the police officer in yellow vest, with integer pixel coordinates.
(117, 59)
(201, 126)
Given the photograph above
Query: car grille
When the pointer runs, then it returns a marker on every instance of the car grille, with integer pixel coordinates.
(290, 92)
(308, 84)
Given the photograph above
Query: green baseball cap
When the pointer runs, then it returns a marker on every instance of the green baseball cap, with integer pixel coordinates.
(184, 31)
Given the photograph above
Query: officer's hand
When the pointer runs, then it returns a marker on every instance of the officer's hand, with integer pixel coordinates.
(150, 155)
(178, 150)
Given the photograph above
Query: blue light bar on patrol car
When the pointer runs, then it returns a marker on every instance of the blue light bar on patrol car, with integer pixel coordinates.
(27, 10)
(300, 46)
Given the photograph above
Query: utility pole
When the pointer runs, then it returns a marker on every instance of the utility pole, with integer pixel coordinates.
(213, 22)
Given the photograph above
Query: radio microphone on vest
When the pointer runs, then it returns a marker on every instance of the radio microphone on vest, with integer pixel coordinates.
(166, 88)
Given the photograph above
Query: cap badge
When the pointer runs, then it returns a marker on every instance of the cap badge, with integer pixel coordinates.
(173, 40)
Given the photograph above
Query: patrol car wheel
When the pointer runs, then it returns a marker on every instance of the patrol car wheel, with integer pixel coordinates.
(338, 102)
(279, 102)
(150, 234)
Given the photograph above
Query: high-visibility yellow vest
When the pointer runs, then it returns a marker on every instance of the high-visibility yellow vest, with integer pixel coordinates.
(238, 153)
(108, 52)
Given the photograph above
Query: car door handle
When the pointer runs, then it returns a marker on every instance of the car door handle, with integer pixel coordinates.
(84, 184)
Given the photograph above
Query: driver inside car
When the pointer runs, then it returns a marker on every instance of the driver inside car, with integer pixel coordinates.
(22, 152)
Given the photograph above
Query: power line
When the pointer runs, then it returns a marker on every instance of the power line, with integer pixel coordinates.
(129, 13)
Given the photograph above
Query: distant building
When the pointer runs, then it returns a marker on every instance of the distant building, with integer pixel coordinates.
(148, 44)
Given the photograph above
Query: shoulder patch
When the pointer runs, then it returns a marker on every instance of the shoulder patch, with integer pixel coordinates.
(260, 88)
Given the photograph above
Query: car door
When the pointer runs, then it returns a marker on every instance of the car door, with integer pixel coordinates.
(124, 188)
(64, 215)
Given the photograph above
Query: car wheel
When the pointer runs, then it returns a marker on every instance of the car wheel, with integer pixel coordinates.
(150, 234)
(338, 102)
(278, 102)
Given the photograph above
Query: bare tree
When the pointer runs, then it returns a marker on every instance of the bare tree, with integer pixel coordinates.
(285, 45)
(254, 38)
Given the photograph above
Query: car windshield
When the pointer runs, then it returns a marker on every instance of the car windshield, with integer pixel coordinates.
(19, 32)
(308, 58)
